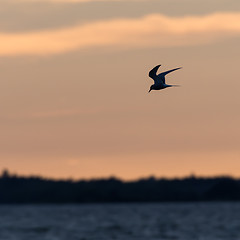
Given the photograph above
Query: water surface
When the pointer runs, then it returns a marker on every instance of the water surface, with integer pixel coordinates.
(183, 221)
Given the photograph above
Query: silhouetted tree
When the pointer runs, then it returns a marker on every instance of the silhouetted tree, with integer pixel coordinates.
(16, 189)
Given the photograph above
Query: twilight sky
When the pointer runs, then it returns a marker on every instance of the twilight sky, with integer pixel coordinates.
(74, 88)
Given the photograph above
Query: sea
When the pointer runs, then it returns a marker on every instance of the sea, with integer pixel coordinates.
(132, 221)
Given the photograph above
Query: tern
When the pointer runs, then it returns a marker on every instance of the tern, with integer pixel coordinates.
(159, 79)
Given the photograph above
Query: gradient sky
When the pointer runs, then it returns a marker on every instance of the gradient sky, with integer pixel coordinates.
(74, 88)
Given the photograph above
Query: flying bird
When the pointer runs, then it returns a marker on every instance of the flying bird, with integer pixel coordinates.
(159, 79)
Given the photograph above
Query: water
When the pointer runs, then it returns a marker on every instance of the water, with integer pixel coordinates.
(183, 221)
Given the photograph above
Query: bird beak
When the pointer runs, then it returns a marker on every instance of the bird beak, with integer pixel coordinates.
(149, 90)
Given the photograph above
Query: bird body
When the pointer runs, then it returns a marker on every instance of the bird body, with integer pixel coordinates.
(159, 79)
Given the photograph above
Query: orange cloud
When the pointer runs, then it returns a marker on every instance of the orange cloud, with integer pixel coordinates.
(151, 30)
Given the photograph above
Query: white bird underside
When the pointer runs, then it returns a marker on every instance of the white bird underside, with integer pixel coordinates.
(159, 79)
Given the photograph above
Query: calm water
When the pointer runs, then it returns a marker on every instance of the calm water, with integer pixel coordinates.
(185, 221)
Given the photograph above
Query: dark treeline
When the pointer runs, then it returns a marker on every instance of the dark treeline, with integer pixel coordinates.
(16, 189)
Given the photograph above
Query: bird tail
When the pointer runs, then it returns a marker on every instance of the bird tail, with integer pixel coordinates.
(175, 85)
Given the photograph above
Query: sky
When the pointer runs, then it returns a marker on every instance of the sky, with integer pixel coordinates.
(74, 88)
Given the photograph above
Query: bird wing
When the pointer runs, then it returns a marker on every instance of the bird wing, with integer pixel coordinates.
(163, 74)
(153, 73)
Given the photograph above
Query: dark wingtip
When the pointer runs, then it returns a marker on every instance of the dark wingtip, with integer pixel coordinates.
(153, 72)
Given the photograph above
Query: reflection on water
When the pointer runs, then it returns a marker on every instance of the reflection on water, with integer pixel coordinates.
(184, 221)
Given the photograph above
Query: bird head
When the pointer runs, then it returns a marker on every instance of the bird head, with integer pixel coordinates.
(150, 89)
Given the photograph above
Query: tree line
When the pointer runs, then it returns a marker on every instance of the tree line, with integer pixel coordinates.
(17, 189)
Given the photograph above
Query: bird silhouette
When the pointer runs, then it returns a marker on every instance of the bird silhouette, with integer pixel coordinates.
(159, 79)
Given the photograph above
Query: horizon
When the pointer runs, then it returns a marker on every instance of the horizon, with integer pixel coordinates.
(6, 173)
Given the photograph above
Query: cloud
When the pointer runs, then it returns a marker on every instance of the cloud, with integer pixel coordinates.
(150, 31)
